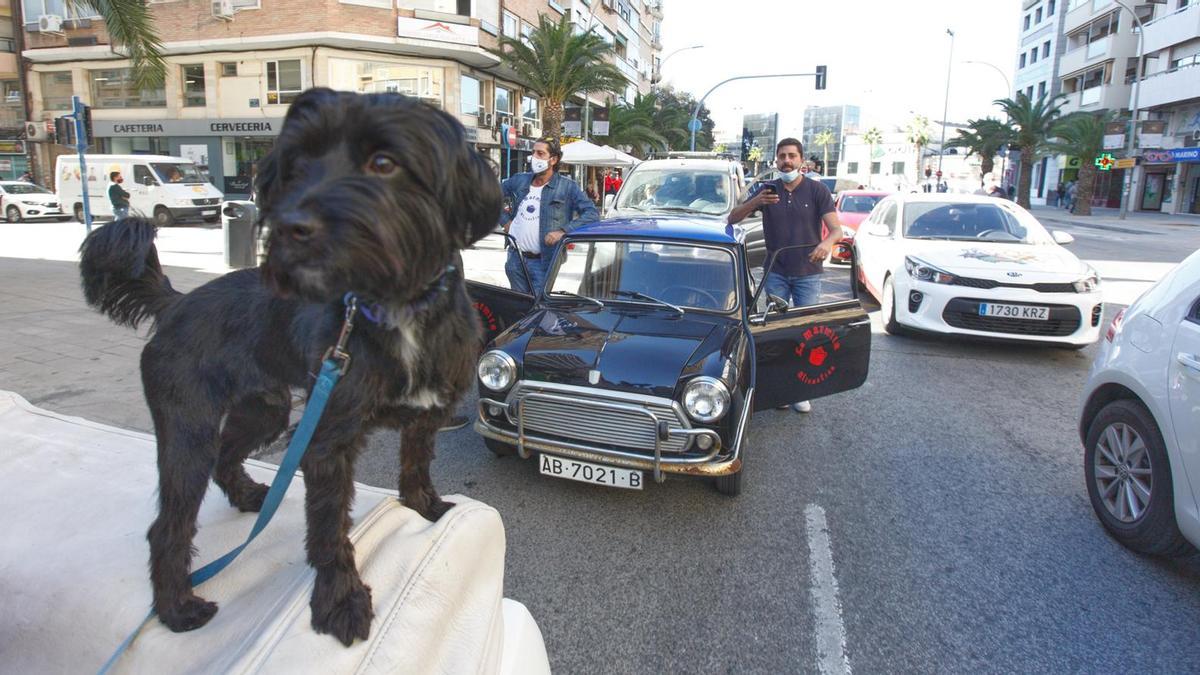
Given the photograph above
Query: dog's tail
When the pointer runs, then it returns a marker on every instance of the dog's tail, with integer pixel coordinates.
(121, 275)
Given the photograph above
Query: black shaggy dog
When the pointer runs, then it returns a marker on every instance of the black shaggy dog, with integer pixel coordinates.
(371, 194)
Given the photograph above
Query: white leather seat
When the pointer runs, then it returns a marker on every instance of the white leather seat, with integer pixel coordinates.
(77, 498)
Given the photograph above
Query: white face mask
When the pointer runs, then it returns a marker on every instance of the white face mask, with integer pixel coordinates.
(789, 176)
(539, 165)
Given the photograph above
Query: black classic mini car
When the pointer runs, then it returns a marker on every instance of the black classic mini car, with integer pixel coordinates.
(647, 350)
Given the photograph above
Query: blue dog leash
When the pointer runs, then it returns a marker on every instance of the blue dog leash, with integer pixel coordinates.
(333, 366)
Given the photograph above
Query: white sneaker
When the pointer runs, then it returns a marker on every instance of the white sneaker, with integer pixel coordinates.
(802, 406)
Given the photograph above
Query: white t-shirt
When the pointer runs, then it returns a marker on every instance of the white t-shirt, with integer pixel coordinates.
(526, 222)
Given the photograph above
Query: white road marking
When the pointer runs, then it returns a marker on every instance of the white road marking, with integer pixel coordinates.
(829, 632)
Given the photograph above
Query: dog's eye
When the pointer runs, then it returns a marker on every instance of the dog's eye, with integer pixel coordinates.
(382, 164)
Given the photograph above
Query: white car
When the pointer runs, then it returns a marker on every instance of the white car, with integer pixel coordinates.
(1140, 419)
(20, 201)
(978, 266)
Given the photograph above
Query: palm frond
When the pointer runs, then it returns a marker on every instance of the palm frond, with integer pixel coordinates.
(131, 28)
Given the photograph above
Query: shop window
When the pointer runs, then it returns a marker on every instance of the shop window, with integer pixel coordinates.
(115, 88)
(470, 92)
(285, 81)
(193, 86)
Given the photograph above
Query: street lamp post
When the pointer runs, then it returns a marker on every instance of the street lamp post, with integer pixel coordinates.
(1126, 192)
(694, 123)
(1007, 92)
(658, 74)
(945, 104)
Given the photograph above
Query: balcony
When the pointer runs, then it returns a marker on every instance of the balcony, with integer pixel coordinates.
(1172, 29)
(1180, 84)
(1115, 46)
(1103, 97)
(1080, 13)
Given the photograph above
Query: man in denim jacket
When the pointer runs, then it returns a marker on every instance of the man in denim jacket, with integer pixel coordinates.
(540, 207)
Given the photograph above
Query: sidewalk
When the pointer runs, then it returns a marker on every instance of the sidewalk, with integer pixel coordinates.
(1110, 218)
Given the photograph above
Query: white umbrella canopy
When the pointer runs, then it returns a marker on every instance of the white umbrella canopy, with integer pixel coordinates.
(583, 153)
(625, 158)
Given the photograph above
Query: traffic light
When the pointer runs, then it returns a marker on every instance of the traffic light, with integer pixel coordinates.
(64, 131)
(87, 124)
(820, 81)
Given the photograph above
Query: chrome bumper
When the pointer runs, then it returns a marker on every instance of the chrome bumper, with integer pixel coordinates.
(697, 466)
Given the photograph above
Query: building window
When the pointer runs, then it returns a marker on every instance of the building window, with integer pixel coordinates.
(1026, 27)
(851, 167)
(1050, 9)
(35, 8)
(624, 11)
(1022, 60)
(115, 88)
(193, 85)
(1041, 89)
(57, 90)
(365, 77)
(1029, 91)
(622, 47)
(1033, 53)
(1046, 49)
(460, 7)
(285, 81)
(897, 168)
(488, 13)
(246, 4)
(526, 31)
(529, 110)
(471, 95)
(875, 168)
(229, 69)
(504, 101)
(511, 25)
(1037, 17)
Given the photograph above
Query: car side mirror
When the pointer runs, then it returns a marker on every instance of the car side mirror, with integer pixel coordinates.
(148, 181)
(609, 200)
(1062, 238)
(877, 230)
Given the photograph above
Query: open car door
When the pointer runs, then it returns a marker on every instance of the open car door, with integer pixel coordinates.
(498, 305)
(803, 353)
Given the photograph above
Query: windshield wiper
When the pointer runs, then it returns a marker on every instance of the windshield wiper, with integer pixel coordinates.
(577, 296)
(642, 296)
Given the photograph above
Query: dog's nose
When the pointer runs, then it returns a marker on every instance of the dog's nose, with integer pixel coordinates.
(295, 225)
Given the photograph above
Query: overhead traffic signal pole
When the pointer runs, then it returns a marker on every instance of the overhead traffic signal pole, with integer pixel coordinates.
(694, 123)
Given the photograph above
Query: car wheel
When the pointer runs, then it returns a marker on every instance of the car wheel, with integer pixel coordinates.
(163, 217)
(500, 448)
(212, 219)
(1129, 480)
(79, 212)
(64, 219)
(12, 214)
(887, 308)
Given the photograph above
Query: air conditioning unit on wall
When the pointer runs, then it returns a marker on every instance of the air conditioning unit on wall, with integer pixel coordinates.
(50, 23)
(222, 9)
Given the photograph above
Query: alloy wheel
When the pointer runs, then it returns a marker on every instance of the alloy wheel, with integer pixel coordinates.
(1124, 478)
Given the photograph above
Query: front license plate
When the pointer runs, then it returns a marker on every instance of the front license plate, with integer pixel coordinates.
(1014, 311)
(561, 467)
(209, 213)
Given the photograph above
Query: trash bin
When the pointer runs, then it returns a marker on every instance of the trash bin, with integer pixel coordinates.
(237, 222)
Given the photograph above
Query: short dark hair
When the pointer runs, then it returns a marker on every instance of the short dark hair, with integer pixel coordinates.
(552, 146)
(113, 175)
(790, 141)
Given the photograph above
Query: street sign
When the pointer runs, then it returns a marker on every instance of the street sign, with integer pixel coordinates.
(1105, 162)
(1127, 163)
(939, 173)
(511, 135)
(694, 125)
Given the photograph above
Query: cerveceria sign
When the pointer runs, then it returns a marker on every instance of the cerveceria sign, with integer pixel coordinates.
(200, 127)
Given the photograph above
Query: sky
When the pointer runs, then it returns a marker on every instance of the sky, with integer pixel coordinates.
(888, 57)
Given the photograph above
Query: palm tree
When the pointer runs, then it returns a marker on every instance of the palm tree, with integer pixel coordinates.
(131, 28)
(824, 139)
(983, 137)
(918, 135)
(632, 125)
(1032, 123)
(873, 138)
(558, 64)
(1081, 135)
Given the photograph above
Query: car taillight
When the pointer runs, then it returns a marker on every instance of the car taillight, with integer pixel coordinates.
(1115, 326)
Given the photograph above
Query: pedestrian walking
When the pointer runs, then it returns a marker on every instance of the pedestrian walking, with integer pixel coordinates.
(118, 196)
(1071, 190)
(794, 208)
(537, 230)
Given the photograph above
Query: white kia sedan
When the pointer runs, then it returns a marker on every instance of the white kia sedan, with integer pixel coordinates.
(21, 201)
(978, 266)
(1140, 419)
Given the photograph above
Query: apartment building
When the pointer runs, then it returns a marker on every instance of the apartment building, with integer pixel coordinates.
(1039, 47)
(234, 66)
(13, 161)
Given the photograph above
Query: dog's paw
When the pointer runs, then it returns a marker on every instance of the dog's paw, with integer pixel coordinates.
(189, 613)
(430, 508)
(249, 497)
(347, 618)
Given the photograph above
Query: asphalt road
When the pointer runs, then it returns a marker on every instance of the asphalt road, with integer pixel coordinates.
(933, 520)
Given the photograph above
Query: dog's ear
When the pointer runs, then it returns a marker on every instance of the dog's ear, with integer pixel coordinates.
(475, 197)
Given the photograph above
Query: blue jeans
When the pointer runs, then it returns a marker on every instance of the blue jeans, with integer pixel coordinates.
(120, 212)
(798, 291)
(538, 268)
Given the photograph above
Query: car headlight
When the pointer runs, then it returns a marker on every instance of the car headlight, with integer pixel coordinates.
(706, 399)
(497, 370)
(1089, 283)
(923, 271)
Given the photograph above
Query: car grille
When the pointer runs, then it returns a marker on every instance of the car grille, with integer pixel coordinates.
(989, 283)
(584, 419)
(212, 201)
(964, 313)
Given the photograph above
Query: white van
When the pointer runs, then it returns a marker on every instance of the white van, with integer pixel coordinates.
(166, 188)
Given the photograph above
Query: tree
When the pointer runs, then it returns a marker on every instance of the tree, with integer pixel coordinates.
(824, 139)
(984, 138)
(131, 28)
(1081, 135)
(1032, 123)
(671, 122)
(632, 125)
(558, 63)
(918, 135)
(873, 138)
(755, 155)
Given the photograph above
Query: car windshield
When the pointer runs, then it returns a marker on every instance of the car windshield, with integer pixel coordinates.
(26, 190)
(171, 172)
(677, 189)
(971, 222)
(859, 203)
(682, 275)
